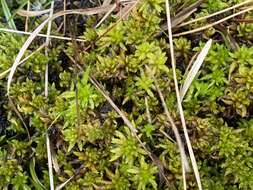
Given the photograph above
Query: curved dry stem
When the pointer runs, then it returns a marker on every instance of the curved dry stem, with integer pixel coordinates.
(20, 117)
(3, 74)
(27, 13)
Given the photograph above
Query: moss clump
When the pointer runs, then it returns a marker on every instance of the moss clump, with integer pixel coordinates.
(90, 142)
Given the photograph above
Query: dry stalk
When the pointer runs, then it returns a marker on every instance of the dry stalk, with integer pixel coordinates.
(3, 74)
(214, 14)
(184, 161)
(27, 18)
(40, 35)
(214, 23)
(180, 108)
(147, 111)
(27, 13)
(64, 17)
(49, 151)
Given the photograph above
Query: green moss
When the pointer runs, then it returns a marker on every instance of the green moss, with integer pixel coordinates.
(90, 141)
(238, 92)
(245, 29)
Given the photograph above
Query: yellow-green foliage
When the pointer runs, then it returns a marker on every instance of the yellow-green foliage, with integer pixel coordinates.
(88, 138)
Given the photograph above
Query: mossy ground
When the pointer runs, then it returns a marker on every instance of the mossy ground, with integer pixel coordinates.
(90, 143)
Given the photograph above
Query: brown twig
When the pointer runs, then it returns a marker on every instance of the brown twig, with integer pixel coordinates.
(64, 17)
(214, 23)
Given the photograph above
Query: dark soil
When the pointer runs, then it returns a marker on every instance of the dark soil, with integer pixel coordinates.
(3, 115)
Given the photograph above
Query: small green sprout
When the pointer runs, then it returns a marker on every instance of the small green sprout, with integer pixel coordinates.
(143, 176)
(125, 147)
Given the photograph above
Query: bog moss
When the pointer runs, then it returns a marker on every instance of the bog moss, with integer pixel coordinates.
(90, 142)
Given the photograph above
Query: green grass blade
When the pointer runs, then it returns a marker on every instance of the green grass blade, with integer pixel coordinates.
(7, 15)
(21, 6)
(36, 182)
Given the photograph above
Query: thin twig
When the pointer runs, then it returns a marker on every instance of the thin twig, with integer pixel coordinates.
(47, 44)
(172, 123)
(64, 17)
(174, 128)
(105, 16)
(182, 15)
(27, 13)
(248, 20)
(213, 24)
(191, 62)
(40, 35)
(117, 22)
(122, 115)
(187, 8)
(3, 74)
(181, 112)
(214, 14)
(166, 135)
(20, 117)
(147, 111)
(184, 161)
(54, 121)
(27, 17)
(59, 187)
(76, 172)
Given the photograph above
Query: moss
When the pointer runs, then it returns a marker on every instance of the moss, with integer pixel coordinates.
(89, 140)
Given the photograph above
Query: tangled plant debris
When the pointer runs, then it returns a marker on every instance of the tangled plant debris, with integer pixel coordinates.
(104, 115)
